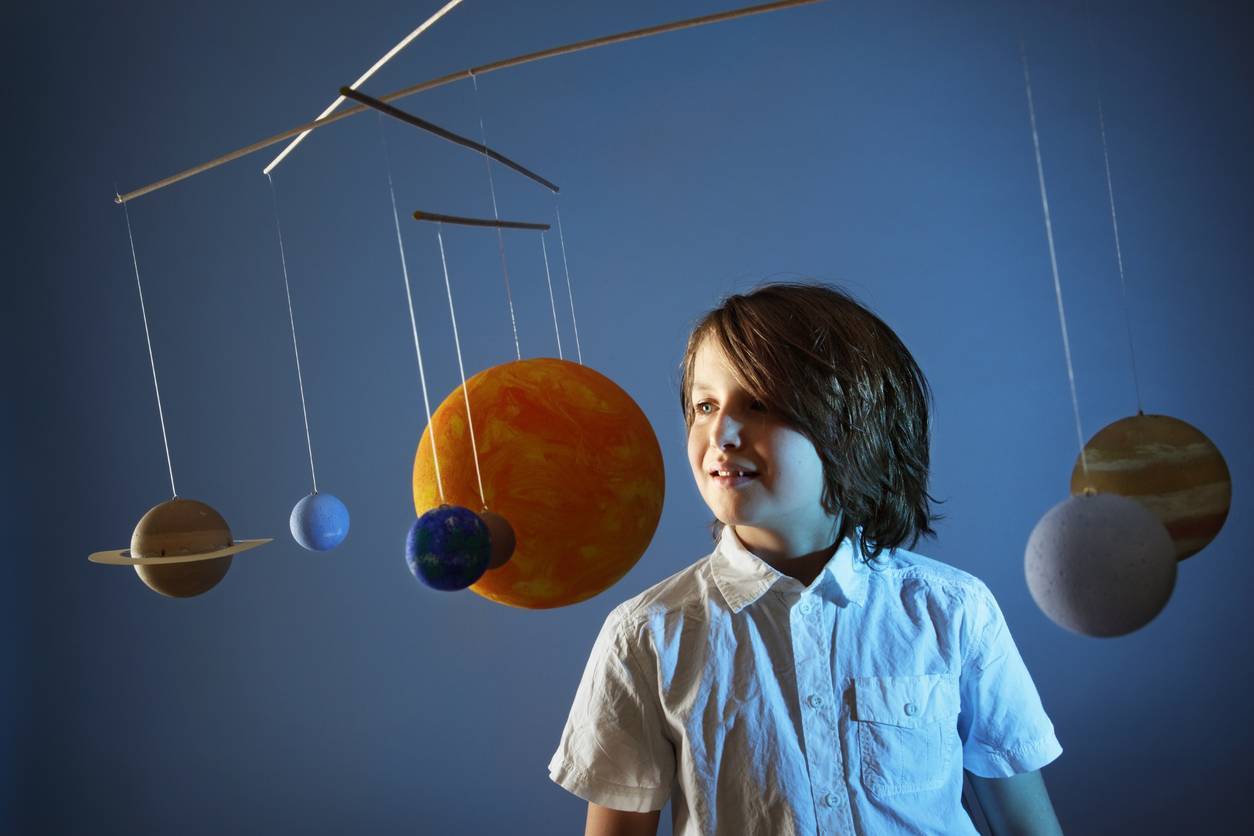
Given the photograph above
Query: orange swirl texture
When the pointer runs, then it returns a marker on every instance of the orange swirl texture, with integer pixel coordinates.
(568, 458)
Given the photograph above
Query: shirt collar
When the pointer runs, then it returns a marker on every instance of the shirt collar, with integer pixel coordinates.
(743, 577)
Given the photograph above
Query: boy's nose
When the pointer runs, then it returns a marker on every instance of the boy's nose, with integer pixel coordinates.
(726, 434)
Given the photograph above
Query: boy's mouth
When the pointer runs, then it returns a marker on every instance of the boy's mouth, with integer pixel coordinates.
(728, 467)
(731, 477)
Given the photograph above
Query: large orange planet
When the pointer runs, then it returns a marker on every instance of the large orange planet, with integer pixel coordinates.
(1167, 465)
(568, 458)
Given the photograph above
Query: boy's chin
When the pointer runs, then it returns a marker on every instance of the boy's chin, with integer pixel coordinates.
(739, 513)
(737, 520)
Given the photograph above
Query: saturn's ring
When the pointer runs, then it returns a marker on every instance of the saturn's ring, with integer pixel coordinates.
(122, 557)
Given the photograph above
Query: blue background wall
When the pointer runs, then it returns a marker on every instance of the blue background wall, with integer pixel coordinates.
(882, 146)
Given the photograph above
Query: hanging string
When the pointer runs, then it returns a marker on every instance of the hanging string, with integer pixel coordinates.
(1114, 218)
(292, 321)
(552, 304)
(500, 239)
(439, 237)
(413, 322)
(151, 360)
(566, 268)
(1053, 258)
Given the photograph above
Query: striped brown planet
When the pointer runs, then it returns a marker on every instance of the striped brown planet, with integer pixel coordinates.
(1170, 467)
(180, 548)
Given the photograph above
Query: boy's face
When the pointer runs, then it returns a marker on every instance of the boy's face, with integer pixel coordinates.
(780, 499)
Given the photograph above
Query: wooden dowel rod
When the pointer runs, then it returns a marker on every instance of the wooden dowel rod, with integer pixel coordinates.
(456, 219)
(409, 118)
(461, 74)
(364, 77)
(619, 38)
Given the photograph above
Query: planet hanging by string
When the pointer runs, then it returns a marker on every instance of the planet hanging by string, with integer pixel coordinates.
(448, 548)
(1100, 565)
(180, 548)
(501, 534)
(1167, 465)
(567, 458)
(319, 522)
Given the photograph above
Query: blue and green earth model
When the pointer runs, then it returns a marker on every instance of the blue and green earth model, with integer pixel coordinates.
(448, 548)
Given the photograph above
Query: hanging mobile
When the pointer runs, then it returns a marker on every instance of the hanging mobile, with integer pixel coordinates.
(448, 547)
(565, 455)
(1166, 464)
(611, 503)
(502, 538)
(181, 547)
(319, 522)
(443, 546)
(1098, 564)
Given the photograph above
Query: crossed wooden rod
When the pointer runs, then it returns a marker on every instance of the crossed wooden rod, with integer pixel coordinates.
(381, 104)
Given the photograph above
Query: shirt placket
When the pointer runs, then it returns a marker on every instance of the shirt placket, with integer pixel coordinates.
(820, 714)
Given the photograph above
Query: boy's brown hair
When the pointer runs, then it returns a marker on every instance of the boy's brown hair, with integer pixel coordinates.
(840, 376)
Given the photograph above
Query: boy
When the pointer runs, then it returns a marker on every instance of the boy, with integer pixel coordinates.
(810, 675)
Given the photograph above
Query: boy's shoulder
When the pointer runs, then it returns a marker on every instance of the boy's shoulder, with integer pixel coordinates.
(902, 567)
(686, 591)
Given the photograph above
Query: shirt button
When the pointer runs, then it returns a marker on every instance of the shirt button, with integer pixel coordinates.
(911, 709)
(815, 701)
(830, 800)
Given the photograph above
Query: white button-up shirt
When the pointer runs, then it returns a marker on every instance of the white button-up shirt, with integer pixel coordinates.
(759, 706)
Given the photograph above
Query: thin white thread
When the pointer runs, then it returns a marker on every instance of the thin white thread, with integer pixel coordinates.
(1053, 258)
(292, 321)
(500, 239)
(143, 312)
(413, 322)
(439, 237)
(566, 268)
(1114, 219)
(552, 304)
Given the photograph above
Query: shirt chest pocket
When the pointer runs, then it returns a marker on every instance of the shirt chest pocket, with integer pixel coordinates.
(906, 730)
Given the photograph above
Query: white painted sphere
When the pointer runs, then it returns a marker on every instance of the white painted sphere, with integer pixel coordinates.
(1100, 565)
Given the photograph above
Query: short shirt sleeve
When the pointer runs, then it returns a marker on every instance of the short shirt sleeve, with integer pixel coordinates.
(613, 751)
(1003, 726)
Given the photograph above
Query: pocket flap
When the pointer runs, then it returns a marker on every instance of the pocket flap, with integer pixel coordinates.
(907, 701)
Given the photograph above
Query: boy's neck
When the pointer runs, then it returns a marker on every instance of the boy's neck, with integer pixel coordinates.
(801, 558)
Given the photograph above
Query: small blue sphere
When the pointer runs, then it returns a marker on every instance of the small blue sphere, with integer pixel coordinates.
(319, 522)
(448, 548)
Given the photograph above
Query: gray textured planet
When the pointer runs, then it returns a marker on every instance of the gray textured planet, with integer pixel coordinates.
(1100, 565)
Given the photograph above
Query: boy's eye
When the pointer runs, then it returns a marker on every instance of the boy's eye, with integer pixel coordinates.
(707, 407)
